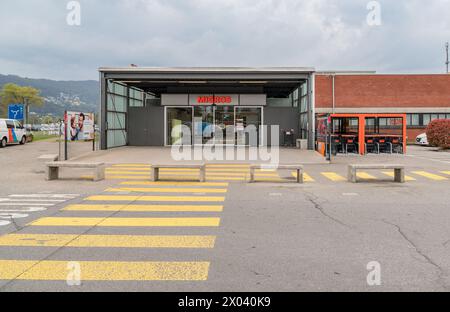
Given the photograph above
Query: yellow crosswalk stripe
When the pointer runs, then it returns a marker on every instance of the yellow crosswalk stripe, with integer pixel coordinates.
(365, 176)
(430, 175)
(104, 270)
(118, 177)
(306, 177)
(166, 190)
(154, 198)
(145, 208)
(131, 165)
(128, 222)
(333, 176)
(106, 241)
(174, 183)
(446, 172)
(117, 172)
(219, 174)
(392, 175)
(128, 169)
(227, 166)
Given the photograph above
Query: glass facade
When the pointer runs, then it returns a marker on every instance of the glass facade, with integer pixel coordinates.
(210, 125)
(116, 112)
(304, 110)
(423, 120)
(177, 119)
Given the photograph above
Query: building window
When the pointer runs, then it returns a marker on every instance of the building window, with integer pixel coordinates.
(413, 120)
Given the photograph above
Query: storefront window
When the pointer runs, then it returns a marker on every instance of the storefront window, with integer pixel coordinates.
(203, 124)
(179, 120)
(248, 119)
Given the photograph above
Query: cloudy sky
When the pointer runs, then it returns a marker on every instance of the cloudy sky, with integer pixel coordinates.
(36, 40)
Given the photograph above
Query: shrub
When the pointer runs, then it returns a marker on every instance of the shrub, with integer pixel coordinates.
(438, 133)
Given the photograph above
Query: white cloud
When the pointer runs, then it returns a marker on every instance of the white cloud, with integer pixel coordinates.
(327, 34)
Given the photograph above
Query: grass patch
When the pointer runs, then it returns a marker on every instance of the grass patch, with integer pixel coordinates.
(43, 136)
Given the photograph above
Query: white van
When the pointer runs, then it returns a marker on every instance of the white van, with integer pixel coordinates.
(12, 132)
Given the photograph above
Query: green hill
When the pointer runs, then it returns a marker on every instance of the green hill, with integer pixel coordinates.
(60, 95)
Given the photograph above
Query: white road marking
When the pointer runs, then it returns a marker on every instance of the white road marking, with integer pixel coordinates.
(432, 159)
(32, 200)
(275, 194)
(27, 204)
(62, 196)
(350, 194)
(29, 209)
(13, 215)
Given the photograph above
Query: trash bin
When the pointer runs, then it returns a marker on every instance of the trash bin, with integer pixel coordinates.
(289, 138)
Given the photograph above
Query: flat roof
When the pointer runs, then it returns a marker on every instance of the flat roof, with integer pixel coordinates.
(260, 70)
(275, 81)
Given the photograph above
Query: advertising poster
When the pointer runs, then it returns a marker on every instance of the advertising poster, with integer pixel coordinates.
(80, 126)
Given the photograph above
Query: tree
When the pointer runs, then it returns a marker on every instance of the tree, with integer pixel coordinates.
(14, 94)
(438, 133)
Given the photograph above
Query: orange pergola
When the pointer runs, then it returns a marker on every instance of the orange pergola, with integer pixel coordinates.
(362, 126)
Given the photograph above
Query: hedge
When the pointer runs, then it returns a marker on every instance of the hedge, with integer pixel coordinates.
(438, 133)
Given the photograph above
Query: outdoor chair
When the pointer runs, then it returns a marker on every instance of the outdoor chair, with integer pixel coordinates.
(372, 146)
(351, 144)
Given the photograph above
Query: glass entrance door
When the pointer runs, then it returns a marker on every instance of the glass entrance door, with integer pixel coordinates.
(203, 125)
(224, 121)
(248, 122)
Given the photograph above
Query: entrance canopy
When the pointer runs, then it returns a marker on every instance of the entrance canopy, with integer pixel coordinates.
(143, 106)
(275, 82)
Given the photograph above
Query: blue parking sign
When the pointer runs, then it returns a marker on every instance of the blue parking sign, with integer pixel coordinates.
(15, 111)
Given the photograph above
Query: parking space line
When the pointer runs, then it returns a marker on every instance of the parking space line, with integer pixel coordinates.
(127, 173)
(430, 175)
(446, 172)
(154, 198)
(365, 176)
(105, 270)
(392, 175)
(145, 208)
(174, 183)
(128, 222)
(166, 190)
(334, 176)
(306, 177)
(106, 241)
(131, 165)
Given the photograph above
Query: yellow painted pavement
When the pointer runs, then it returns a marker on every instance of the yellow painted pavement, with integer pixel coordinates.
(334, 176)
(392, 175)
(174, 183)
(365, 176)
(128, 222)
(106, 241)
(145, 208)
(166, 190)
(104, 270)
(154, 198)
(430, 176)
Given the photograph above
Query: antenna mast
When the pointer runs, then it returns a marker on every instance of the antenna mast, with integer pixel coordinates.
(447, 63)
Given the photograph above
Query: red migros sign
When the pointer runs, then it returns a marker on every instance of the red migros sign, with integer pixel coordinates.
(214, 100)
(198, 99)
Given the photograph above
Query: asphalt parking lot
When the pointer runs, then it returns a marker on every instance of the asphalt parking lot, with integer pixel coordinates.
(128, 234)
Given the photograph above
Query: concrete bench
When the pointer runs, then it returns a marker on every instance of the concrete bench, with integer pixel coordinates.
(399, 171)
(53, 169)
(43, 160)
(298, 168)
(200, 167)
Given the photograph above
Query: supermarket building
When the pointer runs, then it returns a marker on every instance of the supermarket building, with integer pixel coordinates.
(142, 106)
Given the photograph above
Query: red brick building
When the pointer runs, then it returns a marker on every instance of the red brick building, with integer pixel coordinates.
(422, 97)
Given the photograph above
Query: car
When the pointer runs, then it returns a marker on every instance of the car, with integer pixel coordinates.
(12, 132)
(422, 139)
